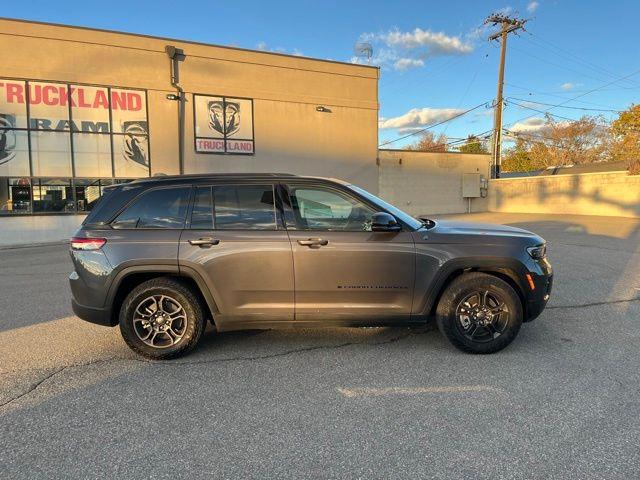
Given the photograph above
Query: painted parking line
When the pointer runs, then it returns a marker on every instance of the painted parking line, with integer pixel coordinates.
(378, 392)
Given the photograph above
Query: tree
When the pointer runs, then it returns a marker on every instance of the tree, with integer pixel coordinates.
(517, 159)
(625, 131)
(430, 143)
(561, 143)
(474, 145)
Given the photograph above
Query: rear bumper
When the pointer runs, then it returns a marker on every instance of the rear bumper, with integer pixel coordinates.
(99, 316)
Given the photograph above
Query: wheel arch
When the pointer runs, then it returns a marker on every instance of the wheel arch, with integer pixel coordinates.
(508, 270)
(128, 278)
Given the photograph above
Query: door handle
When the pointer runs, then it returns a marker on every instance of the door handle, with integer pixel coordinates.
(314, 242)
(205, 242)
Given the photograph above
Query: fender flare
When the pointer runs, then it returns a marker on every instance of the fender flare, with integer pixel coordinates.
(510, 267)
(169, 269)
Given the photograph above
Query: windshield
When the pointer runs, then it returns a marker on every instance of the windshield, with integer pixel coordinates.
(405, 217)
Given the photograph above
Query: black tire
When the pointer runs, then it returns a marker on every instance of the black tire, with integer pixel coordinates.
(171, 293)
(458, 307)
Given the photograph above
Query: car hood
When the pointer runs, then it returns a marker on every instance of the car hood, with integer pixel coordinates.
(472, 230)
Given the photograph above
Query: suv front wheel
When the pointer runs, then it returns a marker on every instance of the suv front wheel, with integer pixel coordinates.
(479, 313)
(162, 318)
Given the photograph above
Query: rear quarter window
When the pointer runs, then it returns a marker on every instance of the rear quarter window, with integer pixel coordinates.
(157, 208)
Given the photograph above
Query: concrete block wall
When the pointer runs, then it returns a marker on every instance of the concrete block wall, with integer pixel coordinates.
(427, 183)
(29, 230)
(609, 194)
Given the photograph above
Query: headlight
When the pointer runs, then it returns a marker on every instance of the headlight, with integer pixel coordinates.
(538, 252)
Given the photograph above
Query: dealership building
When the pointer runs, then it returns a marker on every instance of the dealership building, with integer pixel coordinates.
(81, 109)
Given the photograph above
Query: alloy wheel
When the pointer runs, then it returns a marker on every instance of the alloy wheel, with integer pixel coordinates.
(160, 321)
(482, 316)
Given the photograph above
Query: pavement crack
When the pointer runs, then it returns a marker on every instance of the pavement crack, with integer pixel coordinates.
(594, 304)
(33, 386)
(285, 353)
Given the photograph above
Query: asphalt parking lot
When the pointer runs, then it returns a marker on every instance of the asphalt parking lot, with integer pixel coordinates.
(561, 402)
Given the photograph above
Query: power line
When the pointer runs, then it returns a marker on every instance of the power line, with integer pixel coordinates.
(433, 125)
(515, 135)
(559, 65)
(555, 95)
(581, 95)
(563, 106)
(544, 112)
(576, 58)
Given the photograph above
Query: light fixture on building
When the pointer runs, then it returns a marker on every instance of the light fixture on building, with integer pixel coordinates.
(323, 109)
(173, 96)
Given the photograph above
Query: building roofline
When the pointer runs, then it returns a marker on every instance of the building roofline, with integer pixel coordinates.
(191, 42)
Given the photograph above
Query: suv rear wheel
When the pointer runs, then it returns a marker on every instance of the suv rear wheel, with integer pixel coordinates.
(162, 318)
(479, 313)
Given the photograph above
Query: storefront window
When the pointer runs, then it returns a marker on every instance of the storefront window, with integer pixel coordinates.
(89, 135)
(52, 195)
(48, 106)
(50, 153)
(92, 155)
(14, 153)
(13, 105)
(15, 196)
(130, 155)
(90, 109)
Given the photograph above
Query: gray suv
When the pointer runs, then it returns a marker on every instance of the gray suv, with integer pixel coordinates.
(163, 255)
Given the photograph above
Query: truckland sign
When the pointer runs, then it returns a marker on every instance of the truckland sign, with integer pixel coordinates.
(32, 112)
(223, 125)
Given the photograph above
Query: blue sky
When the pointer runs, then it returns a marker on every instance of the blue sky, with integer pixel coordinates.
(434, 56)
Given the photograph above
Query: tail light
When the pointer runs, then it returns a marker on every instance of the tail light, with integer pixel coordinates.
(78, 243)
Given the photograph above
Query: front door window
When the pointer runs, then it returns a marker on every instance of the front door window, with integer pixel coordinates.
(324, 209)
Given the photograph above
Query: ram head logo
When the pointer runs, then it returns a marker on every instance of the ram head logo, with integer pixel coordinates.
(7, 138)
(135, 147)
(224, 117)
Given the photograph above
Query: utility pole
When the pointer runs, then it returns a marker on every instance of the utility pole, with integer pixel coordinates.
(507, 25)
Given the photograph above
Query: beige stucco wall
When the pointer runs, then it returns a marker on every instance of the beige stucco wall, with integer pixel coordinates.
(37, 229)
(290, 135)
(423, 183)
(613, 193)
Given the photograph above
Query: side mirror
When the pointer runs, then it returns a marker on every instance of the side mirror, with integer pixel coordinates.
(384, 222)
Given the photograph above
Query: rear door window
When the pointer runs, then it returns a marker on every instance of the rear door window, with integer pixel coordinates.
(234, 207)
(158, 208)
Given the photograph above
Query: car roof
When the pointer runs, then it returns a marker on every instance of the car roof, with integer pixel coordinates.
(205, 177)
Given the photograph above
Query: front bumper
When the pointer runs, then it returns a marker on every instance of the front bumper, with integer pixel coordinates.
(538, 298)
(99, 316)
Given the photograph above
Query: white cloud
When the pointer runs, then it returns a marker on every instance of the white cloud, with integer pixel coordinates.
(405, 63)
(265, 48)
(532, 6)
(403, 50)
(533, 124)
(418, 117)
(435, 43)
(568, 86)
